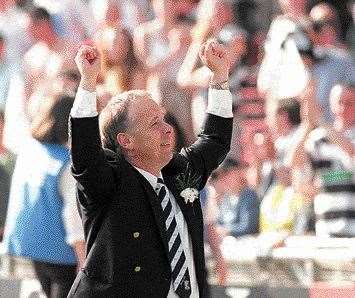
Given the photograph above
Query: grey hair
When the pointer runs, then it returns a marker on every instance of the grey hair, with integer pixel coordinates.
(114, 118)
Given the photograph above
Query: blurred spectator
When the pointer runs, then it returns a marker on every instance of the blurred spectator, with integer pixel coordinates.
(161, 45)
(328, 67)
(6, 168)
(17, 41)
(237, 204)
(4, 73)
(282, 73)
(281, 205)
(133, 12)
(294, 9)
(284, 126)
(50, 54)
(72, 19)
(219, 13)
(325, 23)
(42, 221)
(232, 210)
(122, 70)
(329, 152)
(261, 174)
(350, 35)
(67, 82)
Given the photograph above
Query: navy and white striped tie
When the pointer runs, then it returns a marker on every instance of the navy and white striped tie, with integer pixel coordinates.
(178, 263)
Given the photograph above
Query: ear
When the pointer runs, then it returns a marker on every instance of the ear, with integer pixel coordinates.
(125, 140)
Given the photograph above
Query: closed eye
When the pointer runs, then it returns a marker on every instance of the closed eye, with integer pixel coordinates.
(154, 122)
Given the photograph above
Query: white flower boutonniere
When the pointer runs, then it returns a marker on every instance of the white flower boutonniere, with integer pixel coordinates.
(188, 184)
(189, 194)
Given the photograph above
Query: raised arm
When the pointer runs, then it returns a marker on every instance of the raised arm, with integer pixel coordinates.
(213, 143)
(89, 165)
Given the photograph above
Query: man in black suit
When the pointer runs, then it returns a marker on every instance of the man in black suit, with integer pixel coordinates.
(137, 198)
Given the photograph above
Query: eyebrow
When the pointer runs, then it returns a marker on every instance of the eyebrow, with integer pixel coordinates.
(154, 119)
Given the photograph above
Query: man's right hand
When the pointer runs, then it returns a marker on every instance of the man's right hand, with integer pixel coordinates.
(88, 61)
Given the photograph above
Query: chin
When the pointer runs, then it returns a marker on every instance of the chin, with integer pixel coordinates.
(166, 158)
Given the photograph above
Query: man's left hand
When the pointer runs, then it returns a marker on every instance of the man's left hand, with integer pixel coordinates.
(216, 57)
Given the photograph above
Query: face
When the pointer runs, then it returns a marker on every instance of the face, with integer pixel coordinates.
(283, 175)
(164, 8)
(342, 103)
(151, 137)
(232, 179)
(117, 48)
(2, 49)
(237, 47)
(112, 16)
(280, 125)
(5, 4)
(39, 30)
(263, 146)
(293, 6)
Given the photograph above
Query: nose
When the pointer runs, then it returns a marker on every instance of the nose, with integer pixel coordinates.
(168, 128)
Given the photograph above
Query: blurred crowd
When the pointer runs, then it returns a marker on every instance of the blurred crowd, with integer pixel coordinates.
(291, 166)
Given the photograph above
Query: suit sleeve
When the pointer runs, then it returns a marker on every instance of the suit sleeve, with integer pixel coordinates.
(213, 143)
(211, 148)
(90, 168)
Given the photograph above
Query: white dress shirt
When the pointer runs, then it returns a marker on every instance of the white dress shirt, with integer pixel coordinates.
(219, 104)
(184, 234)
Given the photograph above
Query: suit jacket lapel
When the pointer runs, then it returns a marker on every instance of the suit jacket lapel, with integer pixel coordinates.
(158, 215)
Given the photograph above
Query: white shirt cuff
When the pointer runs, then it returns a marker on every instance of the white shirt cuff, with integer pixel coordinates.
(220, 103)
(84, 104)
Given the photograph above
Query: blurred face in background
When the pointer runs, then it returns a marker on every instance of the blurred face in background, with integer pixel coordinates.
(118, 48)
(112, 15)
(180, 36)
(280, 126)
(232, 180)
(342, 103)
(40, 30)
(263, 147)
(164, 9)
(293, 7)
(237, 47)
(324, 20)
(5, 4)
(283, 175)
(67, 82)
(2, 49)
(223, 15)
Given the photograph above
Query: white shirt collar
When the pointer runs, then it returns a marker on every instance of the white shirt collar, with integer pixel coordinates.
(153, 180)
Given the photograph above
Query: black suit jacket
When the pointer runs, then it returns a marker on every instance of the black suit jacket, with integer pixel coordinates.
(124, 230)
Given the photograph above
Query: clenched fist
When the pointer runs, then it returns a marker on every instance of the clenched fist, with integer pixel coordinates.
(216, 57)
(88, 61)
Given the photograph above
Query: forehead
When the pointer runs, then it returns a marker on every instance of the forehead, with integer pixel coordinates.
(344, 94)
(144, 108)
(349, 94)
